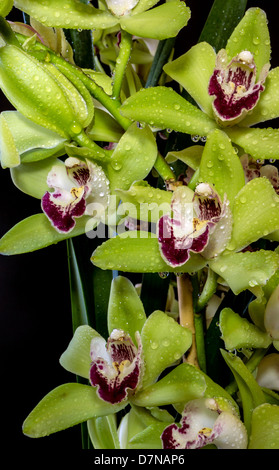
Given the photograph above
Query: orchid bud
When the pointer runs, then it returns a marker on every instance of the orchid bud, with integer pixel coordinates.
(268, 372)
(36, 93)
(271, 317)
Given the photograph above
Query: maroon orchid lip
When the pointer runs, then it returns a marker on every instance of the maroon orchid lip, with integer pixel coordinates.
(234, 86)
(116, 366)
(192, 226)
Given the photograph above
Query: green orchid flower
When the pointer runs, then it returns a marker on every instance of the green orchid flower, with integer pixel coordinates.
(133, 16)
(138, 350)
(234, 90)
(246, 213)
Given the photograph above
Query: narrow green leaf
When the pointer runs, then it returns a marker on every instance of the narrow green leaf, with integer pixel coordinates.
(164, 21)
(125, 309)
(250, 392)
(255, 213)
(162, 107)
(35, 232)
(221, 167)
(130, 253)
(264, 427)
(162, 346)
(193, 70)
(65, 406)
(245, 270)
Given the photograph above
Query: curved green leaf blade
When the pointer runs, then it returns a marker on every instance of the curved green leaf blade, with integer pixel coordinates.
(255, 213)
(245, 270)
(251, 34)
(69, 14)
(238, 332)
(164, 21)
(130, 253)
(193, 70)
(65, 406)
(125, 309)
(35, 232)
(221, 167)
(264, 427)
(164, 342)
(259, 143)
(162, 107)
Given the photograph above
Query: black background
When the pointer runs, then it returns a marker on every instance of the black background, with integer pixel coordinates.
(35, 321)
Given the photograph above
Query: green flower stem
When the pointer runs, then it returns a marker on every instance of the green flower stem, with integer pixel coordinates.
(194, 180)
(6, 33)
(199, 329)
(100, 154)
(208, 290)
(186, 314)
(251, 365)
(122, 60)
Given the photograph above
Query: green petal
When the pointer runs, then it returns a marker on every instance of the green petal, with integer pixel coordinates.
(245, 270)
(164, 342)
(125, 309)
(268, 106)
(238, 332)
(259, 143)
(35, 232)
(193, 71)
(221, 167)
(162, 107)
(190, 155)
(9, 154)
(251, 34)
(130, 253)
(149, 438)
(66, 406)
(164, 21)
(147, 203)
(255, 213)
(143, 5)
(128, 162)
(76, 358)
(264, 427)
(5, 7)
(69, 14)
(250, 392)
(31, 178)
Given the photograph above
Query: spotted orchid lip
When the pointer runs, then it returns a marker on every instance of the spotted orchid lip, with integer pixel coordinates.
(116, 366)
(203, 423)
(76, 186)
(234, 86)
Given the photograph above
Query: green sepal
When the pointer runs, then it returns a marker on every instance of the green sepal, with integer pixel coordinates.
(264, 427)
(31, 178)
(149, 438)
(35, 232)
(65, 406)
(69, 14)
(5, 7)
(251, 34)
(125, 309)
(255, 213)
(238, 332)
(76, 358)
(164, 342)
(163, 108)
(24, 141)
(143, 5)
(221, 167)
(192, 71)
(103, 432)
(138, 252)
(250, 392)
(184, 383)
(162, 22)
(268, 105)
(128, 162)
(145, 202)
(259, 143)
(245, 270)
(191, 156)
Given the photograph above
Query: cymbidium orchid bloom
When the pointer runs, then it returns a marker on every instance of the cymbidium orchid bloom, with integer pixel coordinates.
(200, 226)
(233, 85)
(116, 365)
(77, 185)
(256, 169)
(204, 422)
